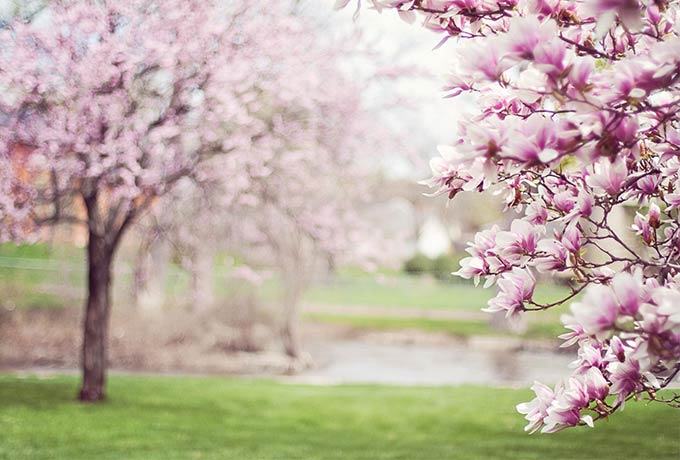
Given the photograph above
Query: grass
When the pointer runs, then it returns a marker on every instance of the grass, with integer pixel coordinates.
(213, 418)
(459, 328)
(412, 292)
(40, 251)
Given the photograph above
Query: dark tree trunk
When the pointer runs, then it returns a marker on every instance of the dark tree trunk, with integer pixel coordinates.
(100, 252)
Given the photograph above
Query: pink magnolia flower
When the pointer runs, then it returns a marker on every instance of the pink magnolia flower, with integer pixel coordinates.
(552, 57)
(483, 258)
(588, 357)
(565, 410)
(500, 101)
(608, 176)
(449, 174)
(544, 8)
(536, 410)
(553, 256)
(520, 241)
(484, 60)
(536, 142)
(564, 201)
(536, 213)
(515, 287)
(641, 227)
(580, 73)
(654, 216)
(652, 321)
(669, 305)
(584, 204)
(626, 378)
(626, 130)
(627, 289)
(484, 243)
(525, 34)
(472, 267)
(597, 312)
(595, 384)
(673, 199)
(616, 351)
(649, 184)
(576, 335)
(571, 238)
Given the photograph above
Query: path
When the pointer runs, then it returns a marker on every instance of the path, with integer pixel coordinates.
(396, 312)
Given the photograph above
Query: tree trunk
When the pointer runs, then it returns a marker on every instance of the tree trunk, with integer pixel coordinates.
(289, 329)
(97, 311)
(150, 275)
(202, 280)
(289, 336)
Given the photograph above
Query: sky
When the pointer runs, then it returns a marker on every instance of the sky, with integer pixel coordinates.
(430, 119)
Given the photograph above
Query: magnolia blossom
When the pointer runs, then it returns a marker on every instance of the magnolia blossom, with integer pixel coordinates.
(515, 288)
(577, 130)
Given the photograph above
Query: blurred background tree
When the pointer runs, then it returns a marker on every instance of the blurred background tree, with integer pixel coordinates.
(109, 107)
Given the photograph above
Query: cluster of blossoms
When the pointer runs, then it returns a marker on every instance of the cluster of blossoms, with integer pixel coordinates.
(628, 336)
(579, 130)
(115, 103)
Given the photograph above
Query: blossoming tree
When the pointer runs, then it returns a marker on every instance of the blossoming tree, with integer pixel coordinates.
(578, 123)
(298, 202)
(106, 106)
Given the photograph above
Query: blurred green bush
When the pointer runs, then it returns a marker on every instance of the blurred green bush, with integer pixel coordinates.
(440, 267)
(419, 264)
(444, 265)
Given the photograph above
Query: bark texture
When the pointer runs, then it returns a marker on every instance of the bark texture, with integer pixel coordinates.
(96, 323)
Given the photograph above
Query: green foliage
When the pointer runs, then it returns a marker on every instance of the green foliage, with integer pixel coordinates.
(172, 418)
(440, 267)
(444, 265)
(418, 265)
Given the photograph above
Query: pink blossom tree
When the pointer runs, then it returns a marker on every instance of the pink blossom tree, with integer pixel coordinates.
(115, 103)
(578, 128)
(299, 199)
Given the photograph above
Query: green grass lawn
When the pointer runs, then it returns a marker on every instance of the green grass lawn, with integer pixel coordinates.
(215, 418)
(412, 292)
